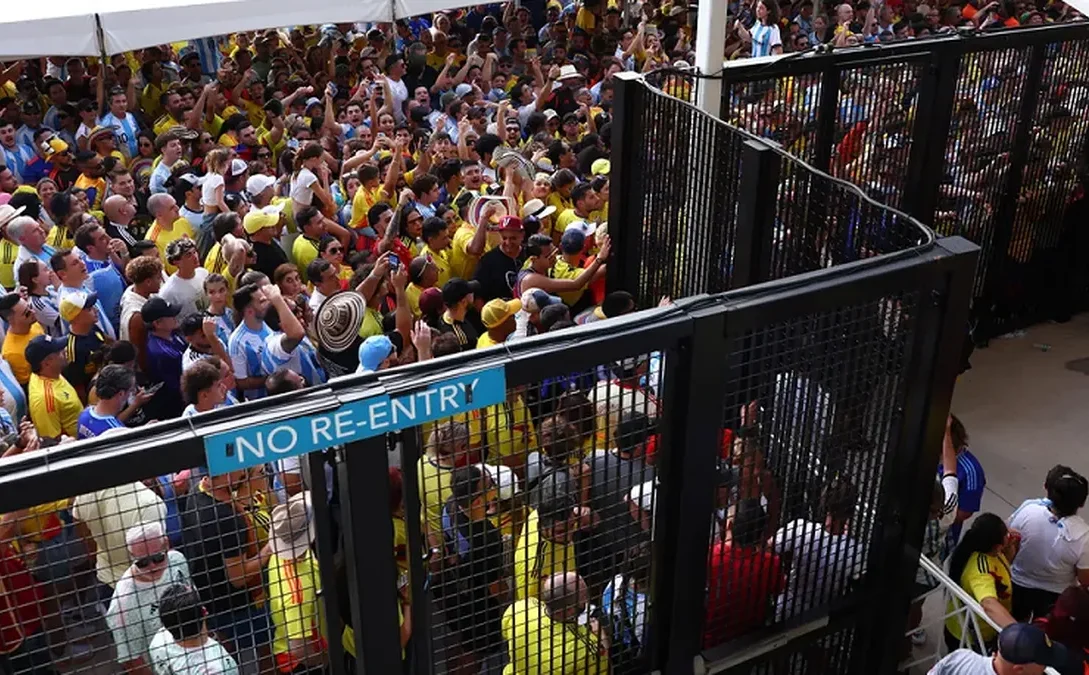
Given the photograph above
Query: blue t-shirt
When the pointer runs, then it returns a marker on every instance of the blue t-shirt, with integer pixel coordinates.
(971, 482)
(91, 424)
(110, 286)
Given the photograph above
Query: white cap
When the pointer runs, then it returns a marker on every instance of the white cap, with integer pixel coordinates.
(582, 226)
(258, 183)
(643, 496)
(238, 167)
(506, 483)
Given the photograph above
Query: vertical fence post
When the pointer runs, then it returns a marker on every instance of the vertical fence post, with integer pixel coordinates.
(325, 545)
(935, 363)
(417, 544)
(930, 133)
(827, 111)
(627, 196)
(687, 481)
(368, 544)
(1007, 207)
(758, 196)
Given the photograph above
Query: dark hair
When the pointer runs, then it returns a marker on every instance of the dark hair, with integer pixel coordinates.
(84, 236)
(316, 268)
(305, 214)
(957, 433)
(552, 315)
(465, 484)
(325, 242)
(486, 144)
(224, 224)
(1067, 490)
(243, 297)
(617, 303)
(181, 612)
(580, 191)
(537, 244)
(838, 499)
(112, 380)
(555, 505)
(375, 213)
(279, 383)
(57, 260)
(121, 351)
(198, 377)
(750, 521)
(987, 531)
(31, 203)
(445, 344)
(433, 227)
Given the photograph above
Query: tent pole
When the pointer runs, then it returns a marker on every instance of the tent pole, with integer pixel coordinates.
(100, 35)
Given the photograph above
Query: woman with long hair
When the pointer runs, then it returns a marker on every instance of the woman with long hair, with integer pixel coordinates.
(310, 179)
(980, 564)
(764, 36)
(332, 250)
(537, 270)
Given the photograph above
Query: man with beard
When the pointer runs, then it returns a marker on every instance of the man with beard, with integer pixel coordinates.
(174, 115)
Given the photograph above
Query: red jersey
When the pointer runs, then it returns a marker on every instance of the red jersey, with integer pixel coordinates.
(742, 585)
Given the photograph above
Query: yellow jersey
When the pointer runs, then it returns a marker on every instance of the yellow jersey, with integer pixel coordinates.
(162, 238)
(441, 260)
(364, 199)
(985, 576)
(294, 604)
(565, 270)
(536, 558)
(303, 252)
(54, 406)
(539, 645)
(59, 237)
(14, 351)
(435, 484)
(508, 428)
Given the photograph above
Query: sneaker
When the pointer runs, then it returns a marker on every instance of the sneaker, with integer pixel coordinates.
(918, 638)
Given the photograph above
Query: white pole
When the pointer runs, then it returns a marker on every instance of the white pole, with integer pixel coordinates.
(710, 45)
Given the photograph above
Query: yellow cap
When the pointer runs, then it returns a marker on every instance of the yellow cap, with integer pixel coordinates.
(257, 220)
(497, 311)
(601, 167)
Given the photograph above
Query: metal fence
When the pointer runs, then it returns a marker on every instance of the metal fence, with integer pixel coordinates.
(708, 206)
(980, 135)
(595, 517)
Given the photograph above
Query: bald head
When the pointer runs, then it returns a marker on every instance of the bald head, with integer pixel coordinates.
(118, 209)
(564, 595)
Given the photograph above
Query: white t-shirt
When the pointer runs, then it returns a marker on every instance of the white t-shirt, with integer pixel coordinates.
(1052, 548)
(822, 564)
(185, 293)
(109, 514)
(963, 662)
(301, 184)
(208, 189)
(399, 90)
(170, 658)
(133, 616)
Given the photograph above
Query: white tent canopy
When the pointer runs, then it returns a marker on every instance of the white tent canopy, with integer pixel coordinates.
(65, 27)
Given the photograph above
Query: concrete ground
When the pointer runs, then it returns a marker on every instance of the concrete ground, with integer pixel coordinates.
(1025, 404)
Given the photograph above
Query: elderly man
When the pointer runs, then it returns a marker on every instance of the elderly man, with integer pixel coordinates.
(30, 235)
(119, 213)
(133, 616)
(550, 635)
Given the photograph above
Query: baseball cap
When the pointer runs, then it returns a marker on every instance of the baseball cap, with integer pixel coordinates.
(156, 308)
(312, 101)
(238, 167)
(54, 146)
(601, 167)
(572, 240)
(39, 348)
(549, 114)
(74, 303)
(258, 183)
(256, 220)
(373, 352)
(191, 179)
(1022, 643)
(463, 90)
(457, 289)
(582, 227)
(509, 224)
(534, 300)
(431, 300)
(497, 311)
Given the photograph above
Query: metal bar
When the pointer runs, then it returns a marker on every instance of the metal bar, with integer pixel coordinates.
(826, 119)
(626, 201)
(422, 639)
(940, 337)
(368, 546)
(687, 499)
(1007, 208)
(325, 546)
(760, 167)
(931, 132)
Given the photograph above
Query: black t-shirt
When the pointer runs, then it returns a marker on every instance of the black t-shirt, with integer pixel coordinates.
(269, 257)
(496, 273)
(477, 548)
(420, 78)
(611, 480)
(82, 364)
(464, 331)
(211, 532)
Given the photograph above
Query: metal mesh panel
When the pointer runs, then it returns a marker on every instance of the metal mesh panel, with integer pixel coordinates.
(984, 121)
(837, 652)
(822, 222)
(874, 122)
(542, 509)
(690, 167)
(810, 423)
(177, 573)
(1031, 286)
(783, 110)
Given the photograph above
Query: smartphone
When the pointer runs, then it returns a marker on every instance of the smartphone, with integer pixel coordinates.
(154, 388)
(531, 53)
(394, 262)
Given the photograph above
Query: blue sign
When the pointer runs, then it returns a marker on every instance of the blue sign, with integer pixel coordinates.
(250, 446)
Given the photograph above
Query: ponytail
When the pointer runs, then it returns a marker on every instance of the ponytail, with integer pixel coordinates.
(987, 531)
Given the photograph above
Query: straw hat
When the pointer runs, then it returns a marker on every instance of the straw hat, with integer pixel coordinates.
(292, 527)
(338, 320)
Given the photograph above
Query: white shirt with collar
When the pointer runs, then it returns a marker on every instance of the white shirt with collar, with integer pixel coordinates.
(1052, 548)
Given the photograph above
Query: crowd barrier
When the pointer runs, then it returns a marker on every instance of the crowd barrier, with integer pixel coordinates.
(681, 461)
(981, 135)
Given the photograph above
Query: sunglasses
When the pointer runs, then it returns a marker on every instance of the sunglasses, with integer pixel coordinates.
(148, 561)
(263, 155)
(334, 249)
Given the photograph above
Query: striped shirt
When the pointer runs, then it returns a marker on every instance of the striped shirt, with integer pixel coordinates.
(125, 130)
(46, 311)
(244, 347)
(303, 359)
(92, 424)
(16, 159)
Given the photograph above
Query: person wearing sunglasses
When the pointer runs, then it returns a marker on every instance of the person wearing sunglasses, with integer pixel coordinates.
(133, 615)
(332, 250)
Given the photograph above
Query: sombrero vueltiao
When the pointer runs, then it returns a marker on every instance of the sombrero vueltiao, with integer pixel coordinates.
(338, 320)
